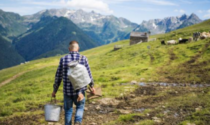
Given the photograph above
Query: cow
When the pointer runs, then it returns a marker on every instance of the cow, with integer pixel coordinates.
(196, 35)
(171, 42)
(183, 41)
(190, 39)
(163, 42)
(203, 36)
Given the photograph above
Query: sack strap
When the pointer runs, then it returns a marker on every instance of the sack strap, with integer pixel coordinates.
(80, 58)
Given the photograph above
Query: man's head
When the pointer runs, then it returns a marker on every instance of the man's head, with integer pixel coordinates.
(74, 46)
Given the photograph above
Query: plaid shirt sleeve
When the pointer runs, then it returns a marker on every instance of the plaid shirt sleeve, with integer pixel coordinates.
(88, 69)
(58, 76)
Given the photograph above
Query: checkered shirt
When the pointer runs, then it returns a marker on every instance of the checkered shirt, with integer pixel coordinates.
(62, 70)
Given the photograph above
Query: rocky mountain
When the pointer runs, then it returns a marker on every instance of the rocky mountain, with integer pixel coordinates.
(51, 36)
(106, 28)
(11, 25)
(9, 56)
(158, 26)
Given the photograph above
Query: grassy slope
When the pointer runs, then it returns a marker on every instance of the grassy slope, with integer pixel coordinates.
(161, 63)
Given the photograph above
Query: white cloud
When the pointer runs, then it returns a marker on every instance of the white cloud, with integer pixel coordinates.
(180, 11)
(146, 9)
(200, 11)
(160, 2)
(117, 1)
(23, 10)
(186, 1)
(96, 5)
(208, 14)
(156, 2)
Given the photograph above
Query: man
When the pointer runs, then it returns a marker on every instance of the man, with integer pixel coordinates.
(70, 95)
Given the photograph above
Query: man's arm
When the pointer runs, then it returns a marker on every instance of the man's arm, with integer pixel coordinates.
(58, 77)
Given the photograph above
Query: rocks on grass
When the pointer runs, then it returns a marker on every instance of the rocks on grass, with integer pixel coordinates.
(133, 82)
(198, 108)
(156, 119)
(125, 111)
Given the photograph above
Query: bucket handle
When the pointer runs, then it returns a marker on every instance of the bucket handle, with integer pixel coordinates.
(53, 99)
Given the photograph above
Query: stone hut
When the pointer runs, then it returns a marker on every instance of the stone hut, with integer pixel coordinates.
(138, 37)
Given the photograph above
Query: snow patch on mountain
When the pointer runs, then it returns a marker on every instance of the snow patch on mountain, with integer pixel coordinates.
(158, 26)
(154, 25)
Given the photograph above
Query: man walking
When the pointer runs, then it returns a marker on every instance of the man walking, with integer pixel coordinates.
(70, 95)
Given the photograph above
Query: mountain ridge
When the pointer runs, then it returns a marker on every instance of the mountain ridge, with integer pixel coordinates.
(9, 56)
(11, 25)
(43, 40)
(90, 22)
(167, 24)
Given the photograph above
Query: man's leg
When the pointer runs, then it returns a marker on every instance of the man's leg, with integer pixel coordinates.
(79, 109)
(68, 107)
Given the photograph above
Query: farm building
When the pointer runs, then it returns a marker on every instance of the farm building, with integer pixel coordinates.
(138, 37)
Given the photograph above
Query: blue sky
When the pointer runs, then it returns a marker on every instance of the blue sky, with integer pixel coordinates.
(134, 10)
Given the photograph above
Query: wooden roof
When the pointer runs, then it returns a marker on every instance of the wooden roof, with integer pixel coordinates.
(139, 34)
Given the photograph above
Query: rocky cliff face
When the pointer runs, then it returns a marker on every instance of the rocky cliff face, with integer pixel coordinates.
(94, 24)
(158, 26)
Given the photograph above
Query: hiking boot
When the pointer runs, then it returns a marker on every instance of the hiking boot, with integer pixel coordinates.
(77, 123)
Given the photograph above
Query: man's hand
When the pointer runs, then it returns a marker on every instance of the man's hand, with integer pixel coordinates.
(80, 97)
(93, 91)
(53, 94)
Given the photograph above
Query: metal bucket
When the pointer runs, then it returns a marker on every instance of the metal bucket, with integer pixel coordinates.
(52, 112)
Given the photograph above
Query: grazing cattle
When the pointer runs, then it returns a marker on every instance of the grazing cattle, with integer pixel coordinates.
(196, 36)
(116, 47)
(203, 36)
(203, 33)
(171, 42)
(190, 39)
(208, 35)
(183, 41)
(163, 42)
(152, 39)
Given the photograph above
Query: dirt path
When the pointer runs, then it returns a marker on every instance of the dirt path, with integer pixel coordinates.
(149, 103)
(12, 78)
(18, 75)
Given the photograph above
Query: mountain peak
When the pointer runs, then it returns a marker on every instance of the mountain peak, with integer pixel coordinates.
(80, 10)
(194, 17)
(193, 14)
(183, 17)
(93, 11)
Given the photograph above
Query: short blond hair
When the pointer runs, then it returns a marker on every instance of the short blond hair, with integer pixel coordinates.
(73, 44)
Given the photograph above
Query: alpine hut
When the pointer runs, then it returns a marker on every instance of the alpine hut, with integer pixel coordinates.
(138, 37)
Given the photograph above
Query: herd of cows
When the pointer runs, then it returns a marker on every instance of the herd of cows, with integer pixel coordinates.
(196, 37)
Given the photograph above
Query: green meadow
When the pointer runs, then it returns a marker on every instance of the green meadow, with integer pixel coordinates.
(181, 63)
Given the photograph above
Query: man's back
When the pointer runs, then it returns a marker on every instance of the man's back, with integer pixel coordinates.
(63, 70)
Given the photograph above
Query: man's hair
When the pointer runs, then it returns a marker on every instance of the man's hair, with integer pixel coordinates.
(73, 44)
